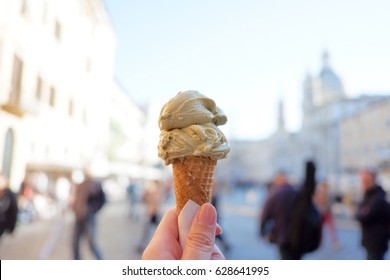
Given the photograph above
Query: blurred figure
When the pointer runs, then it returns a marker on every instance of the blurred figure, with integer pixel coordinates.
(374, 217)
(131, 194)
(134, 196)
(215, 202)
(322, 200)
(273, 220)
(25, 200)
(89, 198)
(350, 204)
(152, 198)
(279, 182)
(290, 219)
(44, 205)
(8, 207)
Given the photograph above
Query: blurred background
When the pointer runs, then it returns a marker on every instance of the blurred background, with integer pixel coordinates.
(83, 81)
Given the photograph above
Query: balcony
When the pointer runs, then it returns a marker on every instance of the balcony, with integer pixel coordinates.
(21, 107)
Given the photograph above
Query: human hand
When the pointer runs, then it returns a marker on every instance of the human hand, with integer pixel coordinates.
(200, 243)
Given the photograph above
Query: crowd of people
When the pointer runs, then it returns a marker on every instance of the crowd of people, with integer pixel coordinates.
(290, 219)
(296, 218)
(278, 221)
(85, 199)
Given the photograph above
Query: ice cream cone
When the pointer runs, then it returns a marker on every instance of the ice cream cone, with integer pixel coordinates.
(193, 178)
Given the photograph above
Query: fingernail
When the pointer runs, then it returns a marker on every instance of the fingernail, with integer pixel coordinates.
(218, 230)
(207, 215)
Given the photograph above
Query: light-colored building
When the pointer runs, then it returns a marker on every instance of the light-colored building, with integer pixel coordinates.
(365, 142)
(325, 105)
(127, 135)
(254, 162)
(56, 75)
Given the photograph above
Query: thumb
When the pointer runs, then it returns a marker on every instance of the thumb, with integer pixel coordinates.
(201, 238)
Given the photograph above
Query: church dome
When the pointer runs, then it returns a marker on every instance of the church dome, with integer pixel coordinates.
(330, 83)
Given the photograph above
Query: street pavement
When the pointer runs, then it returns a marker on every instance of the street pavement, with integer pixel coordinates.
(120, 233)
(240, 220)
(117, 233)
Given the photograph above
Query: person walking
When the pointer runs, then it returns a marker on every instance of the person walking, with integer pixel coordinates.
(8, 207)
(289, 218)
(153, 197)
(373, 215)
(323, 202)
(89, 198)
(273, 220)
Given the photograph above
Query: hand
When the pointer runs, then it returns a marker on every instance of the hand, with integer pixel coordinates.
(200, 244)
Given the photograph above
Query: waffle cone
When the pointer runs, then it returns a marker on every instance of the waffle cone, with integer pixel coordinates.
(194, 178)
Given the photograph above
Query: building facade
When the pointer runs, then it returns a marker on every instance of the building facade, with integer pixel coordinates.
(365, 143)
(329, 122)
(59, 103)
(127, 135)
(325, 106)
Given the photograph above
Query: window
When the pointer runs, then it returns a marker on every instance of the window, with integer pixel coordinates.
(52, 98)
(38, 91)
(57, 30)
(8, 152)
(24, 7)
(16, 85)
(70, 108)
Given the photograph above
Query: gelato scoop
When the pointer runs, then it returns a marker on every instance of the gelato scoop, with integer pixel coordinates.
(188, 124)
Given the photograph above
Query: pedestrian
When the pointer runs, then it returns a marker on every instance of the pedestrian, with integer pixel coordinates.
(25, 199)
(89, 198)
(289, 218)
(152, 197)
(8, 207)
(373, 216)
(134, 194)
(273, 220)
(323, 202)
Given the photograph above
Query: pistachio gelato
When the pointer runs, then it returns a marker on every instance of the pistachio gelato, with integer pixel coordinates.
(188, 124)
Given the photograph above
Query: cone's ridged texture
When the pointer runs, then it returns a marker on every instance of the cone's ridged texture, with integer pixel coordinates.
(194, 178)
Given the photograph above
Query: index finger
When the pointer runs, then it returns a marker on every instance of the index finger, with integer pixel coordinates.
(167, 230)
(164, 244)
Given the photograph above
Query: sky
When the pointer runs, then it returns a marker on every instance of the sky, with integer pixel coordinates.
(249, 54)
